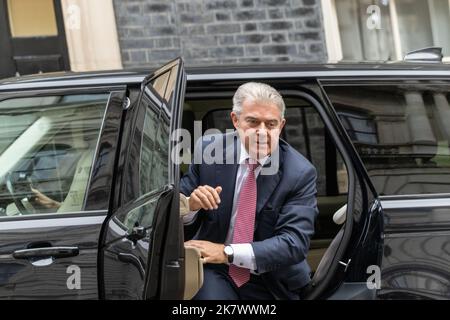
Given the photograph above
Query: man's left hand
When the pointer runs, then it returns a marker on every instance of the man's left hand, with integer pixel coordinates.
(45, 201)
(211, 252)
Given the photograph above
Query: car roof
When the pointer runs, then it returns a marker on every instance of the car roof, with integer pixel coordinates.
(230, 72)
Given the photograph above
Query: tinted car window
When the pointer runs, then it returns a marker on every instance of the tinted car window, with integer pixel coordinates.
(153, 173)
(305, 132)
(164, 85)
(154, 161)
(401, 133)
(47, 147)
(159, 84)
(160, 165)
(140, 216)
(147, 147)
(154, 166)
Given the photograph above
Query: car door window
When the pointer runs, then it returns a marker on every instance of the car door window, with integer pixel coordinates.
(401, 133)
(148, 145)
(164, 85)
(153, 164)
(47, 147)
(154, 156)
(160, 164)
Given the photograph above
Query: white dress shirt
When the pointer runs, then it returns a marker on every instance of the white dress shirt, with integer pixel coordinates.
(244, 256)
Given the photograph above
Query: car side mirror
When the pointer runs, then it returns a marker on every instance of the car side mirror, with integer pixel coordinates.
(193, 272)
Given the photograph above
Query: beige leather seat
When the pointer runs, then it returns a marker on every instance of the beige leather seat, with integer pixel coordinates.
(193, 272)
(320, 247)
(75, 197)
(192, 261)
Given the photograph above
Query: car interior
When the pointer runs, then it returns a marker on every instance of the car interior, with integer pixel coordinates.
(48, 145)
(306, 132)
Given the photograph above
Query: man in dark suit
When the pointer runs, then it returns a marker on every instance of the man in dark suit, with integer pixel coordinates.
(253, 204)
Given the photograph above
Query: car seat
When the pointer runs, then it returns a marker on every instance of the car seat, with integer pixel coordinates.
(74, 199)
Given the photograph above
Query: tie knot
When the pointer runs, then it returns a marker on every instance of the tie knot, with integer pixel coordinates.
(252, 164)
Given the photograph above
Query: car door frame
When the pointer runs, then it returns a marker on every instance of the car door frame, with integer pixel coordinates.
(347, 268)
(168, 263)
(346, 276)
(364, 246)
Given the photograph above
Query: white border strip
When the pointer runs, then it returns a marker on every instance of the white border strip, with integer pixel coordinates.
(363, 73)
(320, 74)
(395, 30)
(415, 203)
(51, 222)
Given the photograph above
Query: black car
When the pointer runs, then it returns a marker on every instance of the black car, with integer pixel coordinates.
(89, 200)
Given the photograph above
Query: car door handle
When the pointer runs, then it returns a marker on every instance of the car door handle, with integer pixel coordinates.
(55, 252)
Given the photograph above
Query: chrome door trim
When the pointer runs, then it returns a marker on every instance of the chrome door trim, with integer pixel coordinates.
(415, 203)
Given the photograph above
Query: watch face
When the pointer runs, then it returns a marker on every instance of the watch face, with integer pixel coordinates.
(228, 250)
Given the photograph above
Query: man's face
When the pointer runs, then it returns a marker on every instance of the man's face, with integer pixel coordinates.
(259, 126)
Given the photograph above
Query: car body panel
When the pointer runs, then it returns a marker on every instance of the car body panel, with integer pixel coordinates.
(44, 278)
(416, 254)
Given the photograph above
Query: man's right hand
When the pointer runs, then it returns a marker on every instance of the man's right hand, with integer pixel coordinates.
(205, 197)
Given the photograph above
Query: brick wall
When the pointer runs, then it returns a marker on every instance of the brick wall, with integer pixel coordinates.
(152, 32)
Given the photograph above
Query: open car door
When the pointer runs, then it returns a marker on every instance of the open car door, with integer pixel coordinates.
(142, 253)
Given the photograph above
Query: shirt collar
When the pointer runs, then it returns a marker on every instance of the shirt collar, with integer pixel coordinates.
(244, 156)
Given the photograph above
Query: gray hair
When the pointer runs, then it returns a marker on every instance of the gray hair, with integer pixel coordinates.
(257, 92)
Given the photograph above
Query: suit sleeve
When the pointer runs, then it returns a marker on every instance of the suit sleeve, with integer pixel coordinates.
(188, 183)
(294, 227)
(191, 180)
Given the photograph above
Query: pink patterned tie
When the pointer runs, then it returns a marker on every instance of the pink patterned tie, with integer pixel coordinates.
(245, 222)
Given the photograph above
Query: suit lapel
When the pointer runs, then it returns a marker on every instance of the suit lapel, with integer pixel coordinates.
(266, 185)
(268, 180)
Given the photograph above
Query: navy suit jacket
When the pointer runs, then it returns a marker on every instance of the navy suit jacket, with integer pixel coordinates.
(285, 212)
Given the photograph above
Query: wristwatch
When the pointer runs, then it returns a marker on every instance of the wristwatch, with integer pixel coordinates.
(229, 253)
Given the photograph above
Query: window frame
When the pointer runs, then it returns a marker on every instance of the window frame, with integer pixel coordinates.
(296, 85)
(69, 91)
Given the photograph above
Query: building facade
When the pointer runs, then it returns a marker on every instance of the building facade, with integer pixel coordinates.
(52, 35)
(82, 35)
(220, 31)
